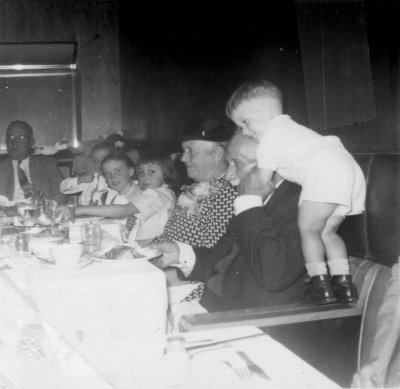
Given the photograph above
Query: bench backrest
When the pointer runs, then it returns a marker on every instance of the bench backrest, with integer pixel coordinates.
(375, 235)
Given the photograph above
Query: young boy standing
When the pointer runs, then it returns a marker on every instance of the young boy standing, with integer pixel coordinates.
(333, 184)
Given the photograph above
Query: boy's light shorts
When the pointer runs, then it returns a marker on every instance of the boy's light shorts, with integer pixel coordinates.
(331, 175)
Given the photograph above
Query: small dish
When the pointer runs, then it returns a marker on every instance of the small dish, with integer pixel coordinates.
(41, 243)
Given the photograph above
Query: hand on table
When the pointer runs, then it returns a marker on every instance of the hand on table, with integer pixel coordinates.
(170, 254)
(65, 213)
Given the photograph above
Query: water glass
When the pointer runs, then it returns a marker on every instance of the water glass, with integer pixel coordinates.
(22, 245)
(91, 235)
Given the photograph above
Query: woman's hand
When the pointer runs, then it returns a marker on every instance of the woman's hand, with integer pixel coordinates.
(256, 182)
(170, 255)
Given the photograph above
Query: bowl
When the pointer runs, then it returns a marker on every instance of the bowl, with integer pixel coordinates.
(66, 254)
(41, 244)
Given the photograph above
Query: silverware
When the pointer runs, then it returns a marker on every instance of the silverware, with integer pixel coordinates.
(193, 353)
(253, 367)
(244, 374)
(225, 341)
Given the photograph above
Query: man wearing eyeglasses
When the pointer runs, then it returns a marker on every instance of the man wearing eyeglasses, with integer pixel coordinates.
(23, 174)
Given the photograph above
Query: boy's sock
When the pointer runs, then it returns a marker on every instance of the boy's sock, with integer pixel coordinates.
(339, 267)
(316, 269)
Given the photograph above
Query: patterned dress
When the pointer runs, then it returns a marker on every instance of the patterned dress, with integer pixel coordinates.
(202, 214)
(200, 217)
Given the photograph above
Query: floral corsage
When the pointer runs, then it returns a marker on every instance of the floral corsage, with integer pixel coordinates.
(191, 198)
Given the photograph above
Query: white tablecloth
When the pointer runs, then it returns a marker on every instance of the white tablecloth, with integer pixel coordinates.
(110, 315)
(285, 369)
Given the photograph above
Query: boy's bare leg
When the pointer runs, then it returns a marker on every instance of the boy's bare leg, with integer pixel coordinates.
(313, 217)
(318, 227)
(338, 262)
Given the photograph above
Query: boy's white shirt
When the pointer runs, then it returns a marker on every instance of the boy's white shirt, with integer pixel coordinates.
(113, 197)
(96, 187)
(187, 256)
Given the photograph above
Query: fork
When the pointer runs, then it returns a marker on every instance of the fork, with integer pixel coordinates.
(244, 374)
(253, 367)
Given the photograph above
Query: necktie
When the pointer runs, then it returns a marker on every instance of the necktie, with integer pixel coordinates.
(24, 182)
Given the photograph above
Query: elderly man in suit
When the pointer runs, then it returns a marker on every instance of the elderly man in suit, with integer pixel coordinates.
(22, 174)
(259, 261)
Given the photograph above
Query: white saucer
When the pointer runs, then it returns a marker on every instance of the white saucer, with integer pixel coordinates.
(52, 266)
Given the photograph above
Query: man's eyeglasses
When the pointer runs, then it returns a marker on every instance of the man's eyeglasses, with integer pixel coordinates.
(17, 138)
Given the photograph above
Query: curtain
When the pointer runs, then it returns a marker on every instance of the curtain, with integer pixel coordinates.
(336, 62)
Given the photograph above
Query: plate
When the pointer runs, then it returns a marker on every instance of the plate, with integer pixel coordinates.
(52, 266)
(96, 256)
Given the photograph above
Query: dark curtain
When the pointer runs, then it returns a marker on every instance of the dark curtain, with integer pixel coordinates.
(336, 62)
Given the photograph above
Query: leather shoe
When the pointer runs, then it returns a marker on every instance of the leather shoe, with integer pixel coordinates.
(344, 289)
(318, 291)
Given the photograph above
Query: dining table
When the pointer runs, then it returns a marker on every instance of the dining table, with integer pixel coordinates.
(104, 324)
(98, 325)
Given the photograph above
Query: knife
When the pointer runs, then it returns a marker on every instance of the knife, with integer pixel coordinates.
(221, 342)
(253, 367)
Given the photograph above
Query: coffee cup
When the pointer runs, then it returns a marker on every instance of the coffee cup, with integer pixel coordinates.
(67, 254)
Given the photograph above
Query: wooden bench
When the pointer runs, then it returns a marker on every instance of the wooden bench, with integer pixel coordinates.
(364, 273)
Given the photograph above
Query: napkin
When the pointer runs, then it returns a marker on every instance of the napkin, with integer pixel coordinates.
(110, 236)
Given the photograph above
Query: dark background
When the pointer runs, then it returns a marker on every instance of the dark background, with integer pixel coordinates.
(179, 64)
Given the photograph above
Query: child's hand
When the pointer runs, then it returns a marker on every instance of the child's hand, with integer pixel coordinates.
(64, 213)
(130, 222)
(254, 183)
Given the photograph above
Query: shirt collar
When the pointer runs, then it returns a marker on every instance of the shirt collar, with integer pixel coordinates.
(24, 162)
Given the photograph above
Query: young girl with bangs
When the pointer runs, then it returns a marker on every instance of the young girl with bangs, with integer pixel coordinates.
(147, 202)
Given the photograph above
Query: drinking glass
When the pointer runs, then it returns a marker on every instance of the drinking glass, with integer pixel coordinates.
(91, 235)
(22, 245)
(73, 202)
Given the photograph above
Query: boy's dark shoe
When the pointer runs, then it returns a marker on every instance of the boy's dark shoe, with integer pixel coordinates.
(318, 291)
(344, 289)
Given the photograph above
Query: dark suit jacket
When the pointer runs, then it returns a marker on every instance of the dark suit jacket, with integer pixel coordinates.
(269, 266)
(45, 175)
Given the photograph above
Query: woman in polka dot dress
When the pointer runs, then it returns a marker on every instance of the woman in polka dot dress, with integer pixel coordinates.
(204, 208)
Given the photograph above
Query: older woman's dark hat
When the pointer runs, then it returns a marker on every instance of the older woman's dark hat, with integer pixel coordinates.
(208, 129)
